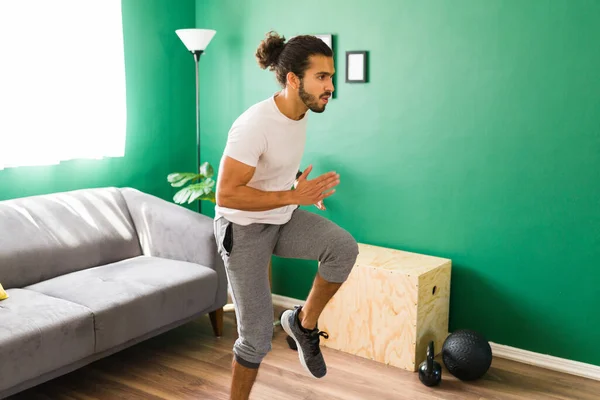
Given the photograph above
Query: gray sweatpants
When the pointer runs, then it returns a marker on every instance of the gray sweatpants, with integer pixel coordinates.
(246, 251)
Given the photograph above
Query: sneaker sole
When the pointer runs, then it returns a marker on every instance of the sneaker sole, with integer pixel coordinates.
(286, 328)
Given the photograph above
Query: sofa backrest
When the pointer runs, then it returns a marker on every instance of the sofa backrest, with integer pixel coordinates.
(45, 236)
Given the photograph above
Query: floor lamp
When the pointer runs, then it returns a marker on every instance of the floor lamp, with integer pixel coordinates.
(196, 41)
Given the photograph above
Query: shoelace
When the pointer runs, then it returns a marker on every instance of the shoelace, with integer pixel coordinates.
(314, 340)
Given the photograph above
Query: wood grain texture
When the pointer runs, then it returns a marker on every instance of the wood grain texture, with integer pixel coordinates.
(433, 311)
(404, 262)
(191, 363)
(387, 310)
(216, 320)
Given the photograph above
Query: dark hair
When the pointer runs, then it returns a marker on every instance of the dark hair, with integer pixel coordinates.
(277, 55)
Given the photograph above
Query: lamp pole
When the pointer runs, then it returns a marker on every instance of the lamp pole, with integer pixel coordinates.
(196, 40)
(197, 54)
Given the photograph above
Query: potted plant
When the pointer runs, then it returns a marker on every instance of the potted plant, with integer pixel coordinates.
(200, 186)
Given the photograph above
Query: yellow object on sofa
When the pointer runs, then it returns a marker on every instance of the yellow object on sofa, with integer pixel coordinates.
(3, 294)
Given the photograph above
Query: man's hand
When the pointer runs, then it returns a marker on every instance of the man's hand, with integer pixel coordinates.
(319, 204)
(313, 191)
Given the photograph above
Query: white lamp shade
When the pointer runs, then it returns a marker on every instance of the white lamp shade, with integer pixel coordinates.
(195, 39)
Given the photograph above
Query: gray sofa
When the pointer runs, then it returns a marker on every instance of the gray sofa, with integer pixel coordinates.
(91, 272)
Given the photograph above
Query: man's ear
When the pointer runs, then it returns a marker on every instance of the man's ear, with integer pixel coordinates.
(293, 80)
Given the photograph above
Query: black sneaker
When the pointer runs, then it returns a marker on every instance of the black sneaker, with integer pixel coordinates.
(307, 342)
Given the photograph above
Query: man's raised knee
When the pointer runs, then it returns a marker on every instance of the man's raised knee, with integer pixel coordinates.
(349, 246)
(343, 253)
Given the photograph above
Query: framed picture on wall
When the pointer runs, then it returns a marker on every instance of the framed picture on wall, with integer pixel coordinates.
(328, 39)
(356, 66)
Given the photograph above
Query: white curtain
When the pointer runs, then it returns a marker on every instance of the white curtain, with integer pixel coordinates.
(62, 81)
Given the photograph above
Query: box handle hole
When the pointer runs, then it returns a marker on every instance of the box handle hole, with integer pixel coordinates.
(434, 290)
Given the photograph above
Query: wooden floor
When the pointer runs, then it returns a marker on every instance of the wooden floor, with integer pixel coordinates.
(190, 363)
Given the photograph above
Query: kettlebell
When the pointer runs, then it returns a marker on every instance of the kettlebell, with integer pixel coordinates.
(430, 371)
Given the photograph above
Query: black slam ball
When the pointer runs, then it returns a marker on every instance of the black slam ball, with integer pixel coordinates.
(467, 354)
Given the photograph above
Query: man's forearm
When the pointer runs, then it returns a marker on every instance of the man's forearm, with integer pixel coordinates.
(249, 199)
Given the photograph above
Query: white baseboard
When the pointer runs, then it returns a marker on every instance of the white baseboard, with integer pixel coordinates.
(286, 302)
(546, 361)
(510, 353)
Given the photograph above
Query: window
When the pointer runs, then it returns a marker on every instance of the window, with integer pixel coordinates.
(62, 81)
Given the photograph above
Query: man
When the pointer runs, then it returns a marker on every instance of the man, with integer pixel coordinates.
(257, 213)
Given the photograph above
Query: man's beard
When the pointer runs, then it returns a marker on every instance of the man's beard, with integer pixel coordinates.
(311, 101)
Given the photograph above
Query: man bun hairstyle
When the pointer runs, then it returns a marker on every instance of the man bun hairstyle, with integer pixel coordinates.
(269, 50)
(275, 54)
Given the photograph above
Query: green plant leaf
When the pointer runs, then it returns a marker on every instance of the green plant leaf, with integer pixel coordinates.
(209, 197)
(200, 186)
(201, 190)
(196, 194)
(206, 170)
(203, 187)
(181, 196)
(178, 179)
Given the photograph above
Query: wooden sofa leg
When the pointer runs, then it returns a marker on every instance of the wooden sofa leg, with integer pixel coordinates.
(216, 319)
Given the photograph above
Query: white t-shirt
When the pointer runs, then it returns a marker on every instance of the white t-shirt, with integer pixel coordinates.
(263, 137)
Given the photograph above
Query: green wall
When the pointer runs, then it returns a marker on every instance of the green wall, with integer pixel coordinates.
(161, 129)
(477, 138)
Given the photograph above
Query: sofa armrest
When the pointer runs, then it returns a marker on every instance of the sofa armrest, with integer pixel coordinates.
(171, 231)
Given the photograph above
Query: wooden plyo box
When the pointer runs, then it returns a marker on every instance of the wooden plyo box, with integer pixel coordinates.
(392, 305)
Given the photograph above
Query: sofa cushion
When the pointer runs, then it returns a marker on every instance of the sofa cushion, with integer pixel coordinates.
(39, 333)
(49, 235)
(132, 297)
